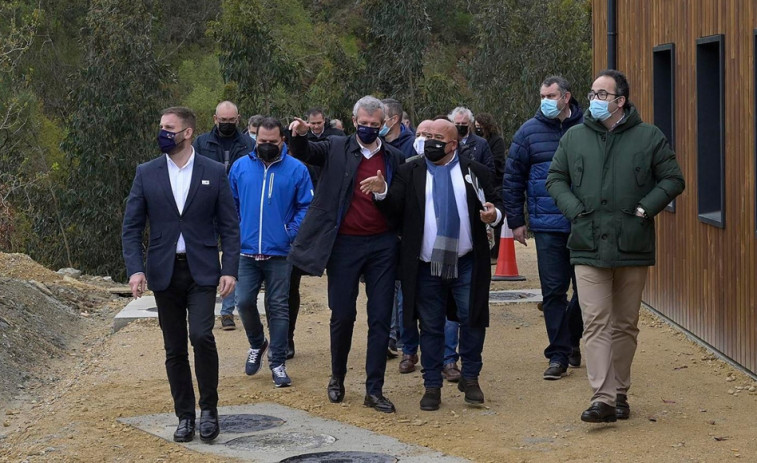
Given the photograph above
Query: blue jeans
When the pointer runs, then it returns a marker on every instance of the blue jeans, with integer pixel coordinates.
(407, 336)
(375, 257)
(555, 275)
(228, 304)
(431, 297)
(275, 272)
(451, 338)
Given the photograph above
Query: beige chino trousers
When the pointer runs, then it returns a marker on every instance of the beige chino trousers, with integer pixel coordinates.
(610, 300)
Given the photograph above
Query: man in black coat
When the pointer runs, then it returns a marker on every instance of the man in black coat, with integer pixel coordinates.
(445, 202)
(345, 233)
(225, 144)
(188, 203)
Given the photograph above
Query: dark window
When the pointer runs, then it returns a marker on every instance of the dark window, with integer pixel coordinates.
(664, 64)
(711, 130)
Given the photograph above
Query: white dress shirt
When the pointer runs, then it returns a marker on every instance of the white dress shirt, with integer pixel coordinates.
(465, 241)
(367, 154)
(180, 178)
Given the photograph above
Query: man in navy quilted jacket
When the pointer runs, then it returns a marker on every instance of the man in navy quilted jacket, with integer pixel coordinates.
(526, 170)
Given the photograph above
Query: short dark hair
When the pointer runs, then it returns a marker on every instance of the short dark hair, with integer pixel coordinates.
(186, 115)
(621, 84)
(440, 116)
(314, 111)
(255, 120)
(393, 107)
(269, 123)
(562, 83)
(487, 123)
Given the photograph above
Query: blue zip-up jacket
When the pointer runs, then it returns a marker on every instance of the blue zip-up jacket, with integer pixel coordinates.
(526, 169)
(404, 142)
(271, 202)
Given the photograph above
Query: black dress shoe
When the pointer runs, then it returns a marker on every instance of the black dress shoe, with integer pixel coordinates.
(209, 427)
(335, 389)
(622, 409)
(379, 402)
(185, 432)
(599, 412)
(431, 399)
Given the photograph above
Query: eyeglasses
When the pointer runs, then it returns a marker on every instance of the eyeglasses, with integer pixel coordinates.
(602, 95)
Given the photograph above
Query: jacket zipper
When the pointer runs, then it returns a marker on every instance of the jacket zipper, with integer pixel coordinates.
(270, 187)
(262, 201)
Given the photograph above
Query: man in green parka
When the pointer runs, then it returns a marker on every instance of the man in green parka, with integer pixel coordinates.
(611, 176)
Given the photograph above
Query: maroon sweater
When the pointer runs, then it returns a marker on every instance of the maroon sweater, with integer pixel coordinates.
(363, 218)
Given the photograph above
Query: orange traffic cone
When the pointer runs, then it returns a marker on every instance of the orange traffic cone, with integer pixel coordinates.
(507, 267)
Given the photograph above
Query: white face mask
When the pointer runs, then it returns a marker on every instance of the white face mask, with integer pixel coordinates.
(419, 144)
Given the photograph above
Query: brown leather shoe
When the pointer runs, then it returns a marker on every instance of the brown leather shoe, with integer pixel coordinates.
(451, 373)
(407, 365)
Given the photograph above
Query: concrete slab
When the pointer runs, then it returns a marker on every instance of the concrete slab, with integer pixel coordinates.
(515, 296)
(289, 433)
(145, 307)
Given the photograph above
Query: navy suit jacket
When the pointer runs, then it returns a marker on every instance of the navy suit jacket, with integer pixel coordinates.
(209, 211)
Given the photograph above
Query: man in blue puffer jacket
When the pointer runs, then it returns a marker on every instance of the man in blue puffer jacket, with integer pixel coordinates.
(272, 192)
(531, 152)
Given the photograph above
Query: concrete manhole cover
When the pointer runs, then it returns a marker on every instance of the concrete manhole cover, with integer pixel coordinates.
(510, 296)
(341, 457)
(281, 441)
(244, 423)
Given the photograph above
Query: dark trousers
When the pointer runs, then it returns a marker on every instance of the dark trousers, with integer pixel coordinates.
(294, 299)
(431, 295)
(555, 275)
(185, 300)
(375, 257)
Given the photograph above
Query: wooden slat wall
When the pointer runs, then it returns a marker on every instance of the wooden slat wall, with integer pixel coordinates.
(705, 277)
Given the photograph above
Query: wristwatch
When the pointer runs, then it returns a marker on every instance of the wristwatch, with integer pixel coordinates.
(640, 211)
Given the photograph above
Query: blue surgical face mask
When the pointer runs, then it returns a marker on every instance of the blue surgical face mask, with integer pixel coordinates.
(385, 129)
(254, 136)
(549, 108)
(599, 109)
(418, 144)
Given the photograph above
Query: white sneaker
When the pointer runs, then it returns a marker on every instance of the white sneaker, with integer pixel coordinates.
(280, 376)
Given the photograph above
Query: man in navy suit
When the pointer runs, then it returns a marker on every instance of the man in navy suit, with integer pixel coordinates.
(188, 202)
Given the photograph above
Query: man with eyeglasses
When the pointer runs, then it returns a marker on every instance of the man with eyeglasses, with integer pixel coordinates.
(225, 144)
(528, 162)
(610, 176)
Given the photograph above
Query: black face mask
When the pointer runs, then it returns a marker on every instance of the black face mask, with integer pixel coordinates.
(434, 150)
(462, 130)
(227, 129)
(480, 132)
(268, 152)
